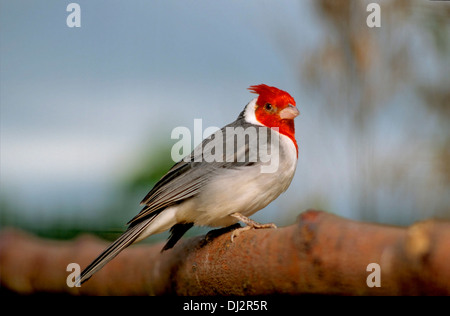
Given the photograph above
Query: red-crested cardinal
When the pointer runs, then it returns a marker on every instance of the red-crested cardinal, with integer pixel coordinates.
(232, 174)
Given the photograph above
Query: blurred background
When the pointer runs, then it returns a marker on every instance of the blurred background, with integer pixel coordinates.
(86, 113)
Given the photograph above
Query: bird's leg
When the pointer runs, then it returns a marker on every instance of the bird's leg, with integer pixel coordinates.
(251, 224)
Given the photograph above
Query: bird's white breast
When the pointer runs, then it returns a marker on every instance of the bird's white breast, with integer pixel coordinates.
(245, 190)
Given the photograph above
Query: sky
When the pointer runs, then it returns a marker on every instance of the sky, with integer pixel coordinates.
(78, 105)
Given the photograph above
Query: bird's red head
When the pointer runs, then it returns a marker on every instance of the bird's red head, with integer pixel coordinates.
(275, 108)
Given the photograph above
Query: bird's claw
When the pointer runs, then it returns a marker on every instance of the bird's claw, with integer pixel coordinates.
(238, 231)
(251, 224)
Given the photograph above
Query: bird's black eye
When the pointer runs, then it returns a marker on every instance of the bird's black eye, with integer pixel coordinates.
(268, 106)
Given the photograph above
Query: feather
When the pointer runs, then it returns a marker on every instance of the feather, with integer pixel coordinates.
(187, 178)
(126, 239)
(176, 232)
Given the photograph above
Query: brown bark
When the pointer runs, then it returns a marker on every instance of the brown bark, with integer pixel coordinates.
(320, 254)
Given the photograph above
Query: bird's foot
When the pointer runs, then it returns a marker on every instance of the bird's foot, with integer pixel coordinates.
(251, 224)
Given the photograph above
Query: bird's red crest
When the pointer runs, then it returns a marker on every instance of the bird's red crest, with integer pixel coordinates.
(272, 95)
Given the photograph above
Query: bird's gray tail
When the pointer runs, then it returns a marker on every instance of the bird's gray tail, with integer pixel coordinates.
(126, 239)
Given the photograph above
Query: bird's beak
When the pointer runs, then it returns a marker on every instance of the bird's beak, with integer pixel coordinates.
(289, 113)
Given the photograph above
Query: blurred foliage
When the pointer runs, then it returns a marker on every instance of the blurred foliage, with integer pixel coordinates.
(358, 72)
(153, 164)
(109, 221)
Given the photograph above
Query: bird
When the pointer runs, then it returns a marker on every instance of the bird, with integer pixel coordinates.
(233, 173)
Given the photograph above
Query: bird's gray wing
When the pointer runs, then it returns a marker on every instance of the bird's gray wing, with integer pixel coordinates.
(187, 177)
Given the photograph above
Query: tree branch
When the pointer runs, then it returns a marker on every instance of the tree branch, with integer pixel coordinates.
(320, 254)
